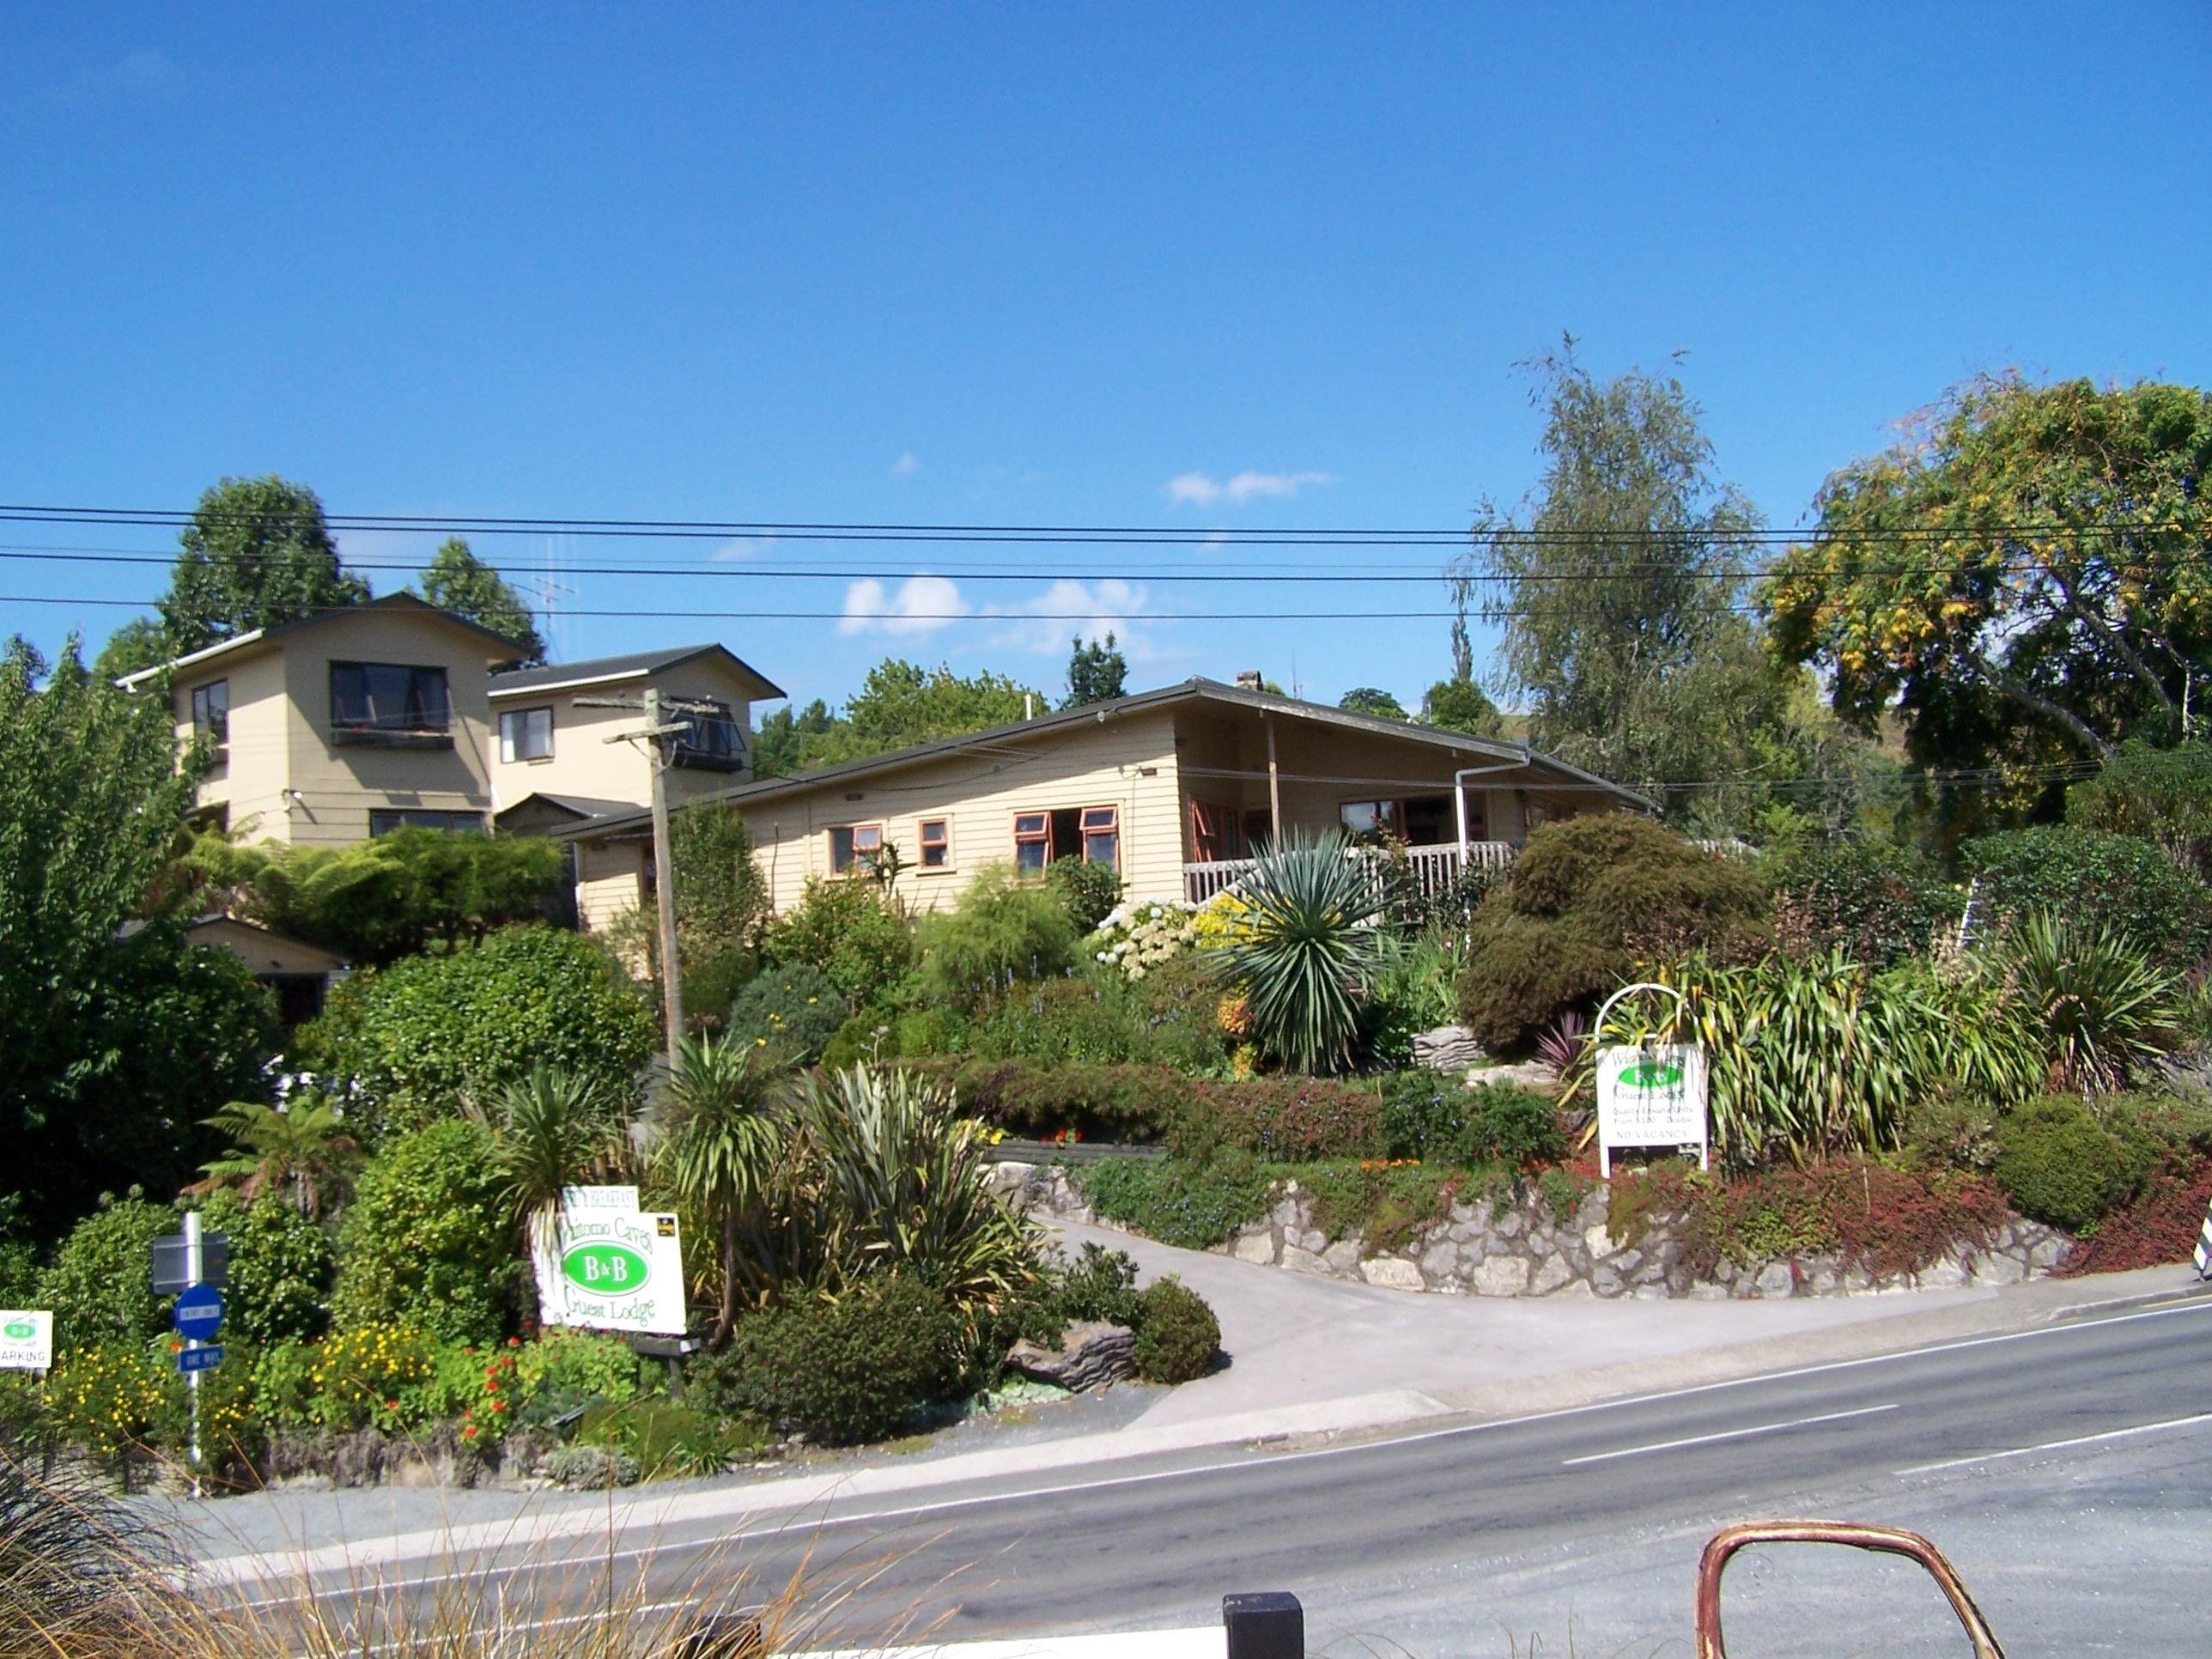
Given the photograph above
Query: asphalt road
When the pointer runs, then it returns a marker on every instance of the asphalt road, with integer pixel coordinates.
(2071, 1459)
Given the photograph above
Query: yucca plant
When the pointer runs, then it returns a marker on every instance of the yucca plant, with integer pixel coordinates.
(721, 1118)
(301, 1153)
(2103, 1007)
(554, 1129)
(1307, 950)
(897, 1177)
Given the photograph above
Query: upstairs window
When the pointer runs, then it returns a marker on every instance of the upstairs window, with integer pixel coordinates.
(382, 820)
(713, 738)
(1102, 835)
(1032, 842)
(855, 844)
(525, 734)
(389, 704)
(936, 844)
(211, 712)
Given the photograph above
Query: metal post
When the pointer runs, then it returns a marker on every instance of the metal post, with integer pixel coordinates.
(672, 979)
(1264, 1625)
(193, 1269)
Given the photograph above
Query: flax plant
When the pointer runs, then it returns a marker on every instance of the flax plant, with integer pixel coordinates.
(1307, 950)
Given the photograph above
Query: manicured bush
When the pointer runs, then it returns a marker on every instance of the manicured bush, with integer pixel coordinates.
(426, 1238)
(1584, 901)
(840, 1371)
(1192, 1205)
(430, 1034)
(98, 1286)
(1287, 1120)
(795, 1008)
(1165, 1019)
(1876, 902)
(2059, 1165)
(1000, 932)
(2125, 885)
(1089, 890)
(1422, 1115)
(279, 1272)
(842, 925)
(1129, 1103)
(1511, 1126)
(1178, 1338)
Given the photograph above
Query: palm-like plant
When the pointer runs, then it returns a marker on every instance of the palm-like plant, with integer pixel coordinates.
(555, 1128)
(2102, 1006)
(1307, 950)
(301, 1151)
(898, 1177)
(722, 1117)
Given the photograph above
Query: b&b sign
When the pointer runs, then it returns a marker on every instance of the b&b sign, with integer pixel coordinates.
(612, 1266)
(1651, 1095)
(27, 1340)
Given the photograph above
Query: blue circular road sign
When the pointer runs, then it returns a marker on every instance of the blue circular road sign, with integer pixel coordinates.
(199, 1312)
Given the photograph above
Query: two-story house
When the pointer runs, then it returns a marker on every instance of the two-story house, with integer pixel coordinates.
(344, 725)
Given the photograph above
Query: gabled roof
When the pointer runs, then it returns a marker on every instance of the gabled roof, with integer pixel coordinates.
(637, 665)
(1475, 750)
(576, 806)
(499, 647)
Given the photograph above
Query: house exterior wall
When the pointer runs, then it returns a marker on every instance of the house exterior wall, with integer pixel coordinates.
(249, 778)
(1127, 764)
(610, 882)
(584, 762)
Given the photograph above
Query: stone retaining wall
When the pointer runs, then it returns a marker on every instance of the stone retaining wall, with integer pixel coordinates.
(1524, 1249)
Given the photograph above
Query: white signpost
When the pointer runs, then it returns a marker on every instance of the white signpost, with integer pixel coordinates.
(27, 1340)
(611, 1266)
(1650, 1094)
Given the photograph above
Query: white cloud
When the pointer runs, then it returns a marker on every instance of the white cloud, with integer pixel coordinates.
(1069, 607)
(922, 605)
(1202, 489)
(744, 548)
(141, 75)
(906, 467)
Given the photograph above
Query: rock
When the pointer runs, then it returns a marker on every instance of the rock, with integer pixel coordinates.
(1509, 1224)
(1459, 1232)
(1438, 1260)
(1258, 1245)
(1949, 1275)
(1553, 1273)
(1709, 1293)
(1629, 1260)
(1500, 1275)
(1775, 1278)
(2045, 1251)
(1447, 1049)
(1598, 1239)
(1605, 1280)
(1573, 1287)
(1286, 1215)
(1313, 1241)
(1090, 1354)
(1529, 1074)
(1342, 1257)
(1596, 1206)
(1994, 1269)
(1300, 1259)
(1392, 1272)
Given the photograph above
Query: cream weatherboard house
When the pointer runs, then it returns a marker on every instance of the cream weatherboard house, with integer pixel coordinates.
(1177, 788)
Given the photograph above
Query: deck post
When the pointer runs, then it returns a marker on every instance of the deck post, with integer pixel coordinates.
(1275, 790)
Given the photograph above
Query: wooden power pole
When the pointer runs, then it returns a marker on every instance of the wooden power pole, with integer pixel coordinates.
(659, 734)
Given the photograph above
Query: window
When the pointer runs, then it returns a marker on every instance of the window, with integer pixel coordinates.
(390, 704)
(383, 820)
(1212, 832)
(1102, 835)
(525, 734)
(1369, 818)
(714, 740)
(855, 844)
(936, 844)
(1032, 842)
(211, 711)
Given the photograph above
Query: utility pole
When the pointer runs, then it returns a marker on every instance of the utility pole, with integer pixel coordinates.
(659, 734)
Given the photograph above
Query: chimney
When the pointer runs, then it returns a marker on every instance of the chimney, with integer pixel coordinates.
(1249, 680)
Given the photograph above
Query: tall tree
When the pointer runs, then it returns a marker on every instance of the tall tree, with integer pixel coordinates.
(256, 553)
(1617, 583)
(1372, 699)
(2023, 576)
(1095, 673)
(456, 581)
(141, 643)
(118, 1038)
(1460, 705)
(782, 740)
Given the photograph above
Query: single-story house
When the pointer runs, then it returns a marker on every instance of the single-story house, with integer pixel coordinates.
(299, 974)
(1177, 788)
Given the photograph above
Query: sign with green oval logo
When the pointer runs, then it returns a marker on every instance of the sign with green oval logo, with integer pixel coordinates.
(603, 1267)
(1652, 1074)
(19, 1330)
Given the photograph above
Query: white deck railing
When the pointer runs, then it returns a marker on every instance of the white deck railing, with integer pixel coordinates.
(1434, 869)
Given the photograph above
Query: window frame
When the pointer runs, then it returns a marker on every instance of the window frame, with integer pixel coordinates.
(509, 755)
(1086, 831)
(731, 755)
(857, 856)
(207, 720)
(942, 846)
(1041, 836)
(376, 733)
(416, 817)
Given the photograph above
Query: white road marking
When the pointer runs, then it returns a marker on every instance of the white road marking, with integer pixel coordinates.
(1727, 1434)
(2058, 1445)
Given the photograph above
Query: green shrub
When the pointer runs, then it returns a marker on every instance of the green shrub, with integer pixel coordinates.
(842, 925)
(1949, 1130)
(1088, 889)
(426, 1238)
(1100, 1285)
(795, 1008)
(668, 1441)
(280, 1266)
(1876, 903)
(1584, 901)
(433, 1034)
(563, 1370)
(1304, 953)
(1511, 1126)
(377, 1376)
(1164, 1019)
(99, 1285)
(1412, 992)
(2060, 1166)
(2127, 885)
(1385, 1204)
(2102, 1009)
(721, 898)
(1289, 1120)
(2163, 796)
(108, 1397)
(840, 1371)
(1423, 1115)
(1000, 932)
(714, 981)
(1178, 1338)
(1130, 1103)
(1194, 1206)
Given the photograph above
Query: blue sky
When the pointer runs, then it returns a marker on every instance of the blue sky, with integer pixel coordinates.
(1036, 264)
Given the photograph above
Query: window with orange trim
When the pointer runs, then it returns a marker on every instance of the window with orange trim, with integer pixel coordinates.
(855, 844)
(936, 844)
(1032, 842)
(1101, 835)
